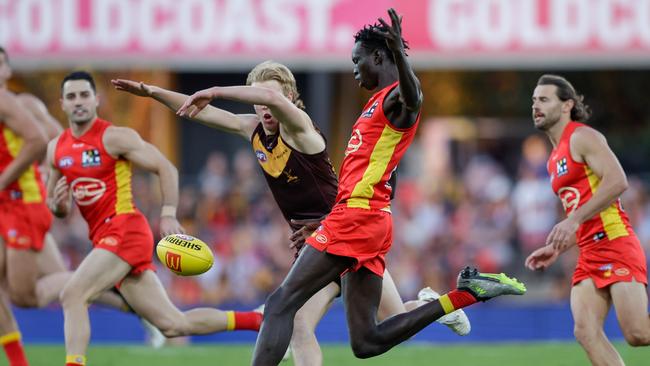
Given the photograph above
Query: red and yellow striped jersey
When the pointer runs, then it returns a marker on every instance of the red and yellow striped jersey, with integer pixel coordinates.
(575, 183)
(100, 184)
(29, 187)
(373, 152)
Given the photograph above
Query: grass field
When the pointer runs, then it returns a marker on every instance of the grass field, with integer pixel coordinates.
(527, 354)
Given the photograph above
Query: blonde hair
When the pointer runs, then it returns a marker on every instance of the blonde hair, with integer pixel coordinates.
(271, 70)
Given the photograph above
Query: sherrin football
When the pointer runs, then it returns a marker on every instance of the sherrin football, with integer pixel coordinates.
(184, 255)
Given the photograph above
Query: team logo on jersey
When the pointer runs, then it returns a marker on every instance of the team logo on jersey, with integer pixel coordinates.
(87, 191)
(570, 198)
(622, 272)
(90, 158)
(65, 162)
(562, 168)
(355, 142)
(110, 241)
(368, 113)
(261, 156)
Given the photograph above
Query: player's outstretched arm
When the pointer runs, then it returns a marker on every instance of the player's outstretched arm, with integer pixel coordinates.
(410, 92)
(59, 197)
(126, 143)
(240, 124)
(590, 146)
(295, 123)
(23, 125)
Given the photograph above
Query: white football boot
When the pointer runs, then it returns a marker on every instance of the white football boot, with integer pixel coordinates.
(456, 321)
(153, 335)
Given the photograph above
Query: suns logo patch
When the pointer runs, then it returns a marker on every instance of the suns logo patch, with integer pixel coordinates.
(90, 158)
(368, 113)
(562, 167)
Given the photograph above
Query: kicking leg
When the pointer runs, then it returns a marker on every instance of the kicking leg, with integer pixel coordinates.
(631, 304)
(312, 271)
(304, 345)
(361, 291)
(589, 306)
(149, 299)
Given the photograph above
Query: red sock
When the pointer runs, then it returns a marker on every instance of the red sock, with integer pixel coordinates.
(456, 299)
(244, 320)
(14, 349)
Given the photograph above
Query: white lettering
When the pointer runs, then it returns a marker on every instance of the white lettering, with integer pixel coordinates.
(494, 23)
(531, 33)
(155, 30)
(196, 23)
(239, 24)
(318, 21)
(615, 31)
(72, 37)
(570, 22)
(643, 21)
(5, 25)
(450, 25)
(111, 23)
(283, 28)
(35, 32)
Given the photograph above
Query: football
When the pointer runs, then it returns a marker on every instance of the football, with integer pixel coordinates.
(184, 255)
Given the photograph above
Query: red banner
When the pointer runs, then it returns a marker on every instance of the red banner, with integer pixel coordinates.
(318, 33)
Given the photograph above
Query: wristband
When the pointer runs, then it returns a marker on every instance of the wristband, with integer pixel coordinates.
(168, 210)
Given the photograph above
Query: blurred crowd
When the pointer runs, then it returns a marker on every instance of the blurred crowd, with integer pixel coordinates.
(477, 214)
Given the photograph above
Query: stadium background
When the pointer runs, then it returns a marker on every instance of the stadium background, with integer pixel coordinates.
(472, 190)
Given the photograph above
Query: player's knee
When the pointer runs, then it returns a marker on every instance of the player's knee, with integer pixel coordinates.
(364, 349)
(636, 337)
(24, 298)
(278, 303)
(585, 334)
(170, 327)
(70, 295)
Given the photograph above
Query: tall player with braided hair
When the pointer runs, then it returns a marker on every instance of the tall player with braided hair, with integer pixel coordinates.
(293, 158)
(589, 180)
(355, 237)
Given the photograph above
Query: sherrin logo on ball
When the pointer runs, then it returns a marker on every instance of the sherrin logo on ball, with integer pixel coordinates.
(184, 255)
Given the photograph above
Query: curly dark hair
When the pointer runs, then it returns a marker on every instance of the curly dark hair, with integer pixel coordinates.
(371, 40)
(565, 91)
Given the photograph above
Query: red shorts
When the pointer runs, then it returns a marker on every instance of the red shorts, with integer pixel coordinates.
(24, 225)
(619, 260)
(129, 237)
(365, 235)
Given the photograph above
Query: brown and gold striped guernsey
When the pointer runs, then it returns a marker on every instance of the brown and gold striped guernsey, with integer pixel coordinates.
(303, 185)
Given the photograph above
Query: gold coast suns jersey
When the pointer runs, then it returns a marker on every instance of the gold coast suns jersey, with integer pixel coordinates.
(575, 183)
(303, 185)
(100, 184)
(29, 187)
(373, 152)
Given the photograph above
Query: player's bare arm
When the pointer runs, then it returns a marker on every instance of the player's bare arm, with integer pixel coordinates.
(38, 109)
(24, 126)
(239, 124)
(402, 105)
(590, 146)
(295, 124)
(126, 143)
(59, 196)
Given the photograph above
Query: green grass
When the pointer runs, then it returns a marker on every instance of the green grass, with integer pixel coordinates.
(527, 354)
